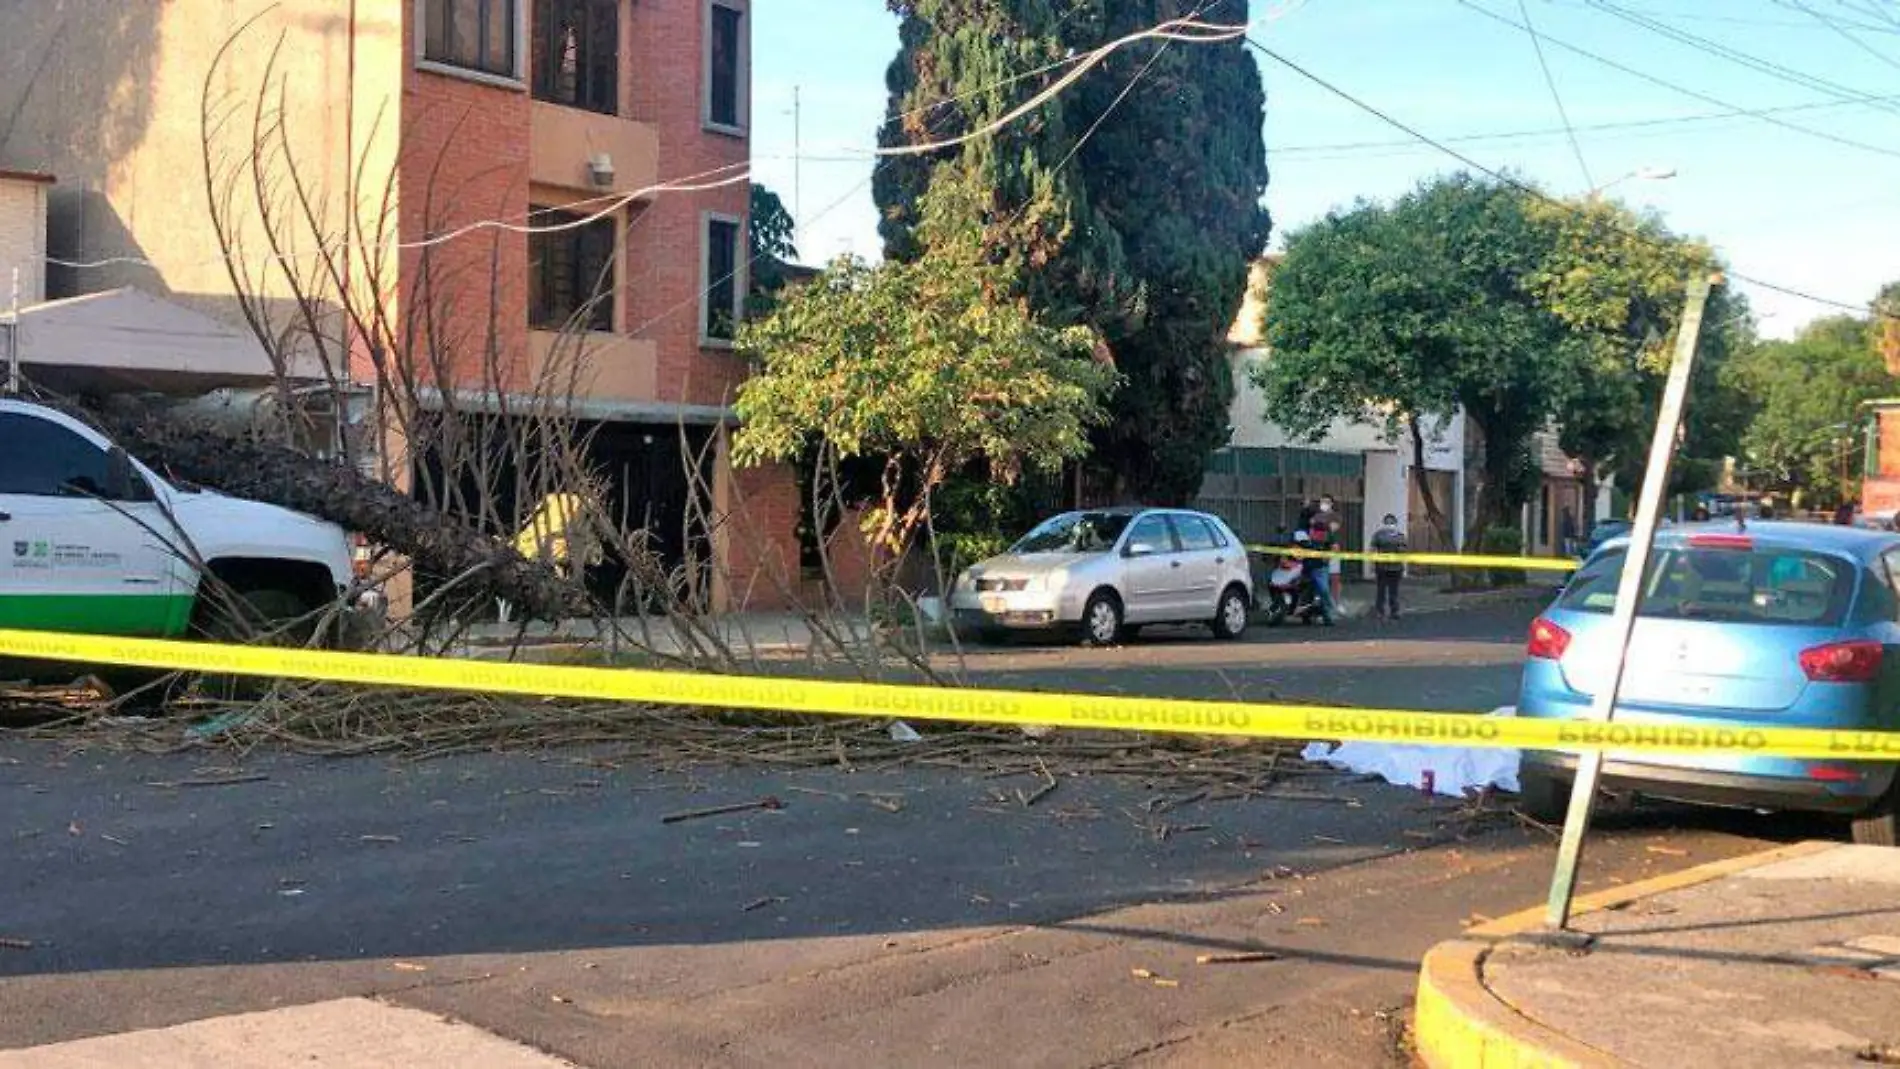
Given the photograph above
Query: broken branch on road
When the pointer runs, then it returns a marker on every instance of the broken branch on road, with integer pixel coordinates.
(767, 803)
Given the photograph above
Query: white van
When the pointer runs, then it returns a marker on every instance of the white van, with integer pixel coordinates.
(92, 541)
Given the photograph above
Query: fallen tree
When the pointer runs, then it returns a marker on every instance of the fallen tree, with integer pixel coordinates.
(268, 471)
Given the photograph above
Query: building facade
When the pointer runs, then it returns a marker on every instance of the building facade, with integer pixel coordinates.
(512, 196)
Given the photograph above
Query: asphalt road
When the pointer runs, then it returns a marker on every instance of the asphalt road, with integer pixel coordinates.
(544, 897)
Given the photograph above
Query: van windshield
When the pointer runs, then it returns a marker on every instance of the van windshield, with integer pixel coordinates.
(1753, 586)
(1076, 532)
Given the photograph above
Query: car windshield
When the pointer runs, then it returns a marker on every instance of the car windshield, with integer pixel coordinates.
(1752, 586)
(1076, 532)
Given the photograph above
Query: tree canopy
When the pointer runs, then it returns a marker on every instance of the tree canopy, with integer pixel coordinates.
(1808, 433)
(918, 366)
(1425, 306)
(1478, 294)
(1130, 204)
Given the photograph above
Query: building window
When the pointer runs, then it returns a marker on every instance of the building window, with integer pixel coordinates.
(474, 35)
(722, 283)
(725, 65)
(576, 58)
(571, 273)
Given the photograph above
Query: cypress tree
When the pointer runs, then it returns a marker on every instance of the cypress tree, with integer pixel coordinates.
(1144, 231)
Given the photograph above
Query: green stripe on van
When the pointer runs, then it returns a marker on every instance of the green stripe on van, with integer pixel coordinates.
(142, 615)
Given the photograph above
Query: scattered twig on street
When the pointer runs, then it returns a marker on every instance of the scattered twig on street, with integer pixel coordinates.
(761, 903)
(767, 802)
(208, 781)
(1049, 784)
(10, 943)
(1239, 958)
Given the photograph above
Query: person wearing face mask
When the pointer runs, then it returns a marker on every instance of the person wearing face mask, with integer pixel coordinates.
(1322, 532)
(1388, 539)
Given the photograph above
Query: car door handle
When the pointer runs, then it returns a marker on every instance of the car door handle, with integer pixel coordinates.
(6, 517)
(143, 580)
(1174, 564)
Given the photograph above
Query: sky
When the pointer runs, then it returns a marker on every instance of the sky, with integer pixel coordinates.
(1814, 209)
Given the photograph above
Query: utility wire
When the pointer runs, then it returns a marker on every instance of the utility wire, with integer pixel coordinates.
(1554, 131)
(1834, 24)
(1550, 80)
(1755, 113)
(1525, 187)
(1711, 47)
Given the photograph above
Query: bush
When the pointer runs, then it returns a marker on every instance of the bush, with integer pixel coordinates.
(1503, 542)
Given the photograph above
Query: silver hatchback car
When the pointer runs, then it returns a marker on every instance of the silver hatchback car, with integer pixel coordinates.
(1109, 572)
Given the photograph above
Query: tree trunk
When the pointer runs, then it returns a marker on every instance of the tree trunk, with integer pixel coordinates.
(1589, 497)
(278, 475)
(1497, 506)
(1433, 514)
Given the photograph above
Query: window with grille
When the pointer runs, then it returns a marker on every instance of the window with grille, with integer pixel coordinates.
(571, 277)
(576, 58)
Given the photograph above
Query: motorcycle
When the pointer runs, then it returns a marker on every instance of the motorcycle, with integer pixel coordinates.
(1292, 593)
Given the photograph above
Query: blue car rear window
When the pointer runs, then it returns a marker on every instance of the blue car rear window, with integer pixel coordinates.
(1758, 586)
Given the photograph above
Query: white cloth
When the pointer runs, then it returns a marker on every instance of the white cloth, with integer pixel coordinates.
(1454, 770)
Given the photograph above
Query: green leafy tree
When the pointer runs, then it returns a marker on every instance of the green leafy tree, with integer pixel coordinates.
(1427, 306)
(1130, 204)
(1808, 434)
(921, 367)
(1618, 280)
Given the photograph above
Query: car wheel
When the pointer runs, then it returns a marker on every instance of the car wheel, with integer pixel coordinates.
(1881, 826)
(992, 636)
(1230, 617)
(1543, 797)
(1102, 620)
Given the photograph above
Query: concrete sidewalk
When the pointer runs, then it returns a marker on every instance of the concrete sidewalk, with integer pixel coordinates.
(1788, 958)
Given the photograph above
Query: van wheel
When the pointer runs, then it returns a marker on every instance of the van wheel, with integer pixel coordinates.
(1881, 826)
(1542, 796)
(1102, 619)
(1230, 616)
(263, 617)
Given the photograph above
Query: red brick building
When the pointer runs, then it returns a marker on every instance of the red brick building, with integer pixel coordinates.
(551, 111)
(407, 121)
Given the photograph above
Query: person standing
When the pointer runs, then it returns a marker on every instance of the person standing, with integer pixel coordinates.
(1388, 539)
(1322, 529)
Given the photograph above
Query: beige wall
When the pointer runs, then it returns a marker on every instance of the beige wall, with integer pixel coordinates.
(111, 95)
(563, 140)
(22, 240)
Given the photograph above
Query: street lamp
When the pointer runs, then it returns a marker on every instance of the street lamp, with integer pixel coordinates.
(1642, 174)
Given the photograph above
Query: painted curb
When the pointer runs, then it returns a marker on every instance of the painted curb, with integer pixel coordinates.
(1461, 1024)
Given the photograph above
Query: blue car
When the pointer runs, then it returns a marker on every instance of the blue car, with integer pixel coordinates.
(1781, 624)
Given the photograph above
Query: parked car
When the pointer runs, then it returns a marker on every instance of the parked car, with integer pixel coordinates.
(96, 542)
(1109, 572)
(1786, 625)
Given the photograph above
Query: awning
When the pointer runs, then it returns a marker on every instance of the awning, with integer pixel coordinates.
(127, 340)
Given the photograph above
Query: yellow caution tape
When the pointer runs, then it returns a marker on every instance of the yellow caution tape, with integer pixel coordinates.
(971, 706)
(1443, 560)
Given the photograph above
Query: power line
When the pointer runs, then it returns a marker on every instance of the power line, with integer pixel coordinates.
(1550, 80)
(1518, 184)
(1733, 20)
(1711, 47)
(1677, 87)
(1834, 24)
(1600, 127)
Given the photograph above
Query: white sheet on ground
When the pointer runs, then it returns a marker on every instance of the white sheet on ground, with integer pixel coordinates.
(1447, 770)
